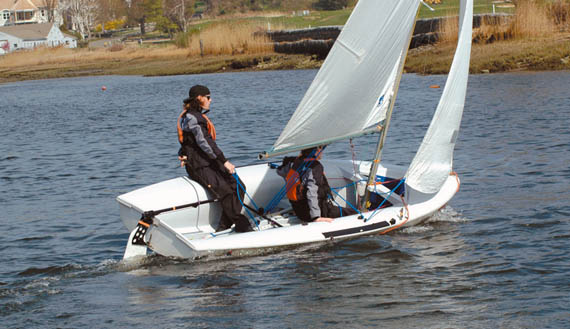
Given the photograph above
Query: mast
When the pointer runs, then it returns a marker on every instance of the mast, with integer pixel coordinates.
(378, 155)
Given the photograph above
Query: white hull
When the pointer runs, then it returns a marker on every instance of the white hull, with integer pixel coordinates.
(189, 232)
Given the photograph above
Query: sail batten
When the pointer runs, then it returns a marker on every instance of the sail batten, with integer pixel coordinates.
(359, 72)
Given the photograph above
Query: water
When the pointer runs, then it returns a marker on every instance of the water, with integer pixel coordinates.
(496, 257)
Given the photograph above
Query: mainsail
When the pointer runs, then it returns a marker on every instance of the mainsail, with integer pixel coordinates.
(433, 162)
(351, 92)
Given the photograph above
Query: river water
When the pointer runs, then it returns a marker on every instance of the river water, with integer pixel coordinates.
(497, 256)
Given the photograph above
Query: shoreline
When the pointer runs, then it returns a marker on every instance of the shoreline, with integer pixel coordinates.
(504, 56)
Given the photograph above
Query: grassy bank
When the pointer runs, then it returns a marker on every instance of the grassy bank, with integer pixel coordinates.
(65, 63)
(513, 55)
(533, 40)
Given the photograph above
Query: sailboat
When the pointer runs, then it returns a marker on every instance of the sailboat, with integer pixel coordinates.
(354, 93)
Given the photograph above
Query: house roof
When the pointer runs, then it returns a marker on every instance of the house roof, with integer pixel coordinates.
(24, 5)
(6, 4)
(45, 3)
(28, 31)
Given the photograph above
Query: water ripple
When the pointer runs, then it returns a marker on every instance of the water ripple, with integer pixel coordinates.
(496, 256)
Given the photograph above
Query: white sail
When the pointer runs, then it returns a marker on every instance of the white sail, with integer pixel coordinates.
(433, 162)
(350, 93)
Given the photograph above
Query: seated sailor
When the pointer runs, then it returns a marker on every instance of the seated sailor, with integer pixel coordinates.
(307, 187)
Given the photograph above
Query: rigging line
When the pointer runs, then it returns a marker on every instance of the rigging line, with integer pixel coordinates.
(247, 194)
(401, 214)
(276, 199)
(385, 199)
(301, 171)
(352, 150)
(348, 203)
(395, 88)
(341, 187)
(337, 204)
(288, 185)
(241, 201)
(355, 173)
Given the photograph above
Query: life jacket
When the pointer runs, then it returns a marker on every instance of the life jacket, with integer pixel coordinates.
(197, 157)
(293, 187)
(211, 128)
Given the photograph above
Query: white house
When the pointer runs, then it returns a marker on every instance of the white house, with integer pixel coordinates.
(29, 36)
(14, 12)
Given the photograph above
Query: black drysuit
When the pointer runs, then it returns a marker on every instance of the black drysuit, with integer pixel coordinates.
(205, 165)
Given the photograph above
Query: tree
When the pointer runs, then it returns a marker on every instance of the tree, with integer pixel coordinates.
(50, 7)
(143, 11)
(110, 10)
(82, 13)
(179, 12)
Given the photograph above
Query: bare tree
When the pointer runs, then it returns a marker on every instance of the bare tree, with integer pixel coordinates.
(179, 12)
(82, 13)
(50, 6)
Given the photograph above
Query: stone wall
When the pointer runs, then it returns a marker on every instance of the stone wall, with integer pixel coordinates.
(319, 40)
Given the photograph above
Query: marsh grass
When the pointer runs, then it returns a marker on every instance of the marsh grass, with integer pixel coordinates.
(531, 19)
(218, 39)
(559, 10)
(65, 56)
(229, 39)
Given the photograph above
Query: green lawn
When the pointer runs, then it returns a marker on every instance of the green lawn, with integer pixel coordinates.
(339, 17)
(451, 7)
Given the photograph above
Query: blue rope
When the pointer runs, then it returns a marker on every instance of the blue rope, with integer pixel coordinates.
(341, 187)
(277, 198)
(385, 199)
(337, 204)
(240, 201)
(348, 203)
(243, 188)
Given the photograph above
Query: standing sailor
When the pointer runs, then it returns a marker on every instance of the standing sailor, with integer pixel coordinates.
(205, 162)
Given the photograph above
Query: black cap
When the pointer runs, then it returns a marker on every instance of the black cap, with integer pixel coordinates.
(312, 151)
(195, 91)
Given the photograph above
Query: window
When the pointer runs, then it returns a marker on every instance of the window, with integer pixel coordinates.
(6, 15)
(43, 13)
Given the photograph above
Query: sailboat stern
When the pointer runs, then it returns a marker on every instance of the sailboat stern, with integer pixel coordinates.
(171, 194)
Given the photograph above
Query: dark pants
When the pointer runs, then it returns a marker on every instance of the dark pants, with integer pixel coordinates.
(328, 209)
(224, 187)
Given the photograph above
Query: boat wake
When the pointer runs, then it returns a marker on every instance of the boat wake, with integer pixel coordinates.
(445, 215)
(38, 283)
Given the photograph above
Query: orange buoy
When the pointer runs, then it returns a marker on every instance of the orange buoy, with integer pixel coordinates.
(434, 86)
(103, 88)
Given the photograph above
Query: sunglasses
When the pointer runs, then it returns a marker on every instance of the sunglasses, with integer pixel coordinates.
(208, 97)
